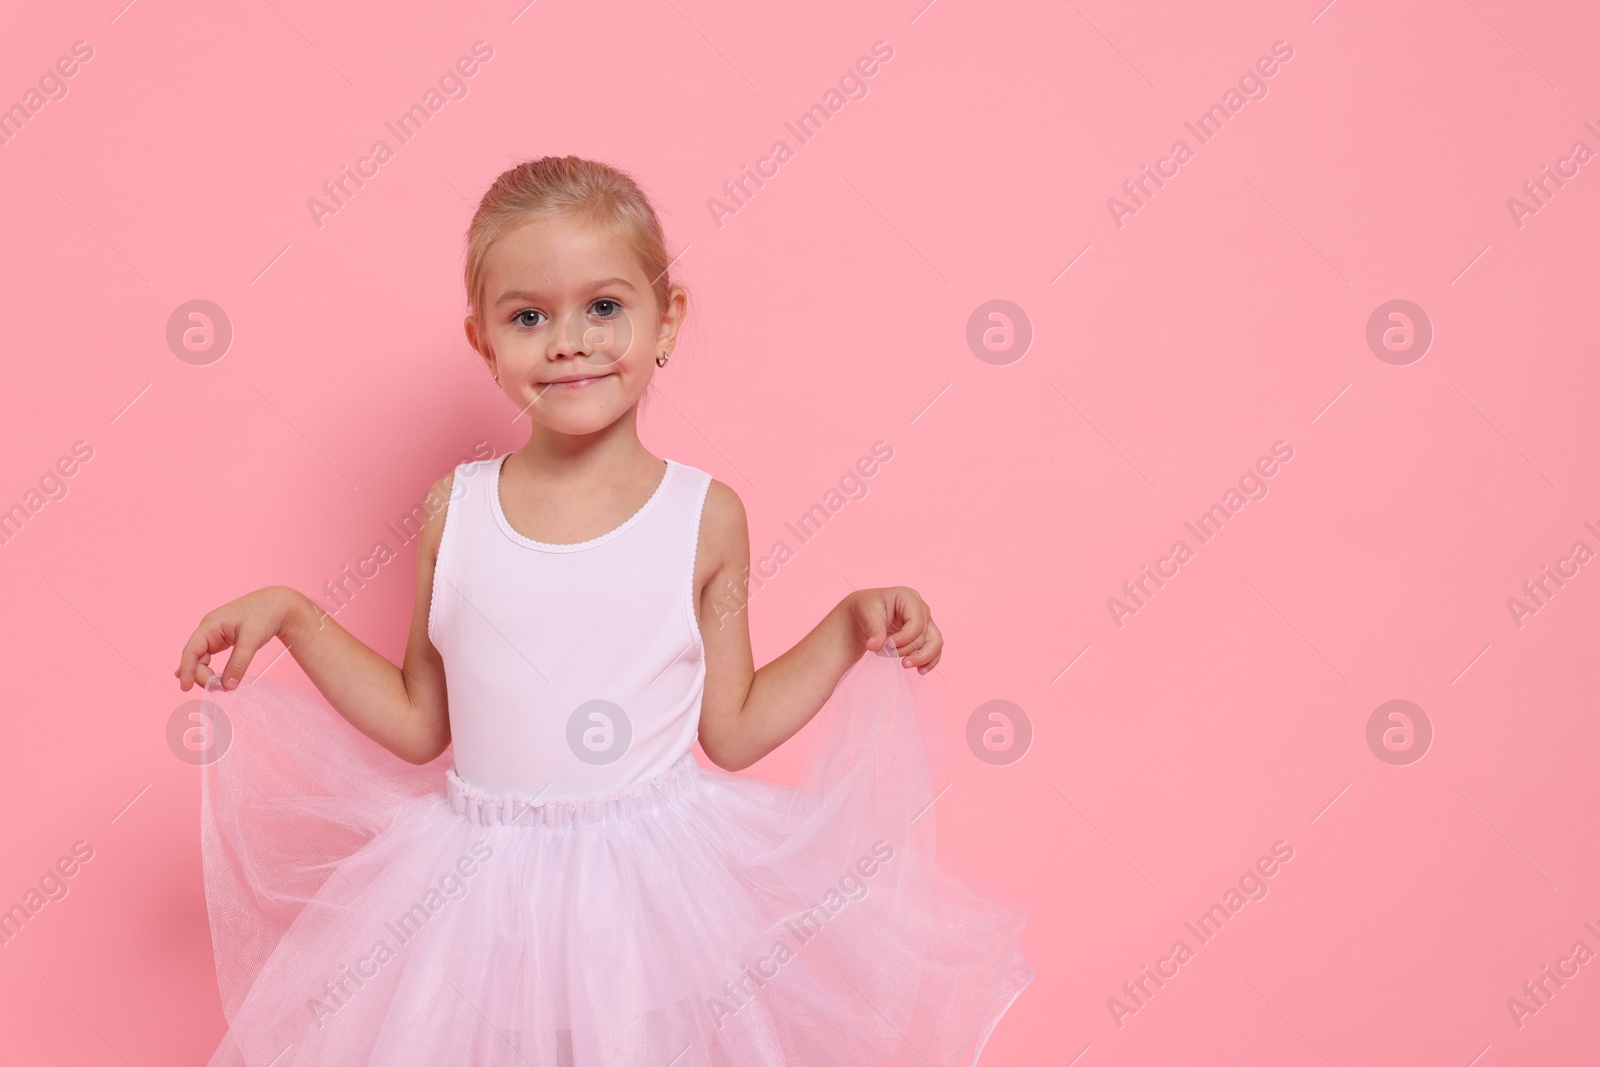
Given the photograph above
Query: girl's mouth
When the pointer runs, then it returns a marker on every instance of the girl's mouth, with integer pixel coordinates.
(577, 383)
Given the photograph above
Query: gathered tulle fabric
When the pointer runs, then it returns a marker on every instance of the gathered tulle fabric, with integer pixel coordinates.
(367, 911)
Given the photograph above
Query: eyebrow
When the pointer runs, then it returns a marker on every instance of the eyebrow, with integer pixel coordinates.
(521, 294)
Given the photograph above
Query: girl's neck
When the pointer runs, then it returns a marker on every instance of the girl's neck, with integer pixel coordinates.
(609, 456)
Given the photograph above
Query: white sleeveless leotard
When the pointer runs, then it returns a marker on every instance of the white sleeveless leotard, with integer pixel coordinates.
(571, 670)
(582, 891)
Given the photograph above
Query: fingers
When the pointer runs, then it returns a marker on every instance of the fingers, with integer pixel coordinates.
(909, 615)
(243, 650)
(209, 637)
(917, 640)
(876, 629)
(216, 633)
(868, 619)
(925, 656)
(901, 615)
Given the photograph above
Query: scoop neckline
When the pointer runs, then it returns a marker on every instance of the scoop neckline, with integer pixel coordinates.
(551, 546)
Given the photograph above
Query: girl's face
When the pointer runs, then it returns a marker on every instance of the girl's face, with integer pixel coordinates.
(570, 323)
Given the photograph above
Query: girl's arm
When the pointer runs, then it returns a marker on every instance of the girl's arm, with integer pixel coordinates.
(401, 708)
(746, 713)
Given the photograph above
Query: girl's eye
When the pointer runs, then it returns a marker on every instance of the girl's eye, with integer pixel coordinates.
(520, 318)
(607, 307)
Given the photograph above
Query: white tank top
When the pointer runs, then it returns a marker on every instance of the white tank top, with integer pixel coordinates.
(571, 669)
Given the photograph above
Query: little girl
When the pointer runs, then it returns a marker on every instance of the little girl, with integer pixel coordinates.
(573, 889)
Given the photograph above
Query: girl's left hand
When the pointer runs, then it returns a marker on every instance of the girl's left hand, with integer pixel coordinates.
(899, 612)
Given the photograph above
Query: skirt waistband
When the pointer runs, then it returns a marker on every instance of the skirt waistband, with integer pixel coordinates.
(516, 809)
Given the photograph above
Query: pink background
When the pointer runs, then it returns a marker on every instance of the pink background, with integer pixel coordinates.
(830, 312)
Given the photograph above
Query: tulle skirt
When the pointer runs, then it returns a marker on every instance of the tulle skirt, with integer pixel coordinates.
(367, 911)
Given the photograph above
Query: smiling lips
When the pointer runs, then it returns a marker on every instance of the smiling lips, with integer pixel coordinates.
(575, 383)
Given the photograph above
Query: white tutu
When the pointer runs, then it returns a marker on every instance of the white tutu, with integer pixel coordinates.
(366, 911)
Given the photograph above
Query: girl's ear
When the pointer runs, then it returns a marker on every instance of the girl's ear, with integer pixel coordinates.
(672, 316)
(478, 341)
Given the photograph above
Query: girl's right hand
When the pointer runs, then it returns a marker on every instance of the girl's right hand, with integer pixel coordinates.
(243, 625)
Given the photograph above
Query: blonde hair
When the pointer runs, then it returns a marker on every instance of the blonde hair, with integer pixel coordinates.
(583, 188)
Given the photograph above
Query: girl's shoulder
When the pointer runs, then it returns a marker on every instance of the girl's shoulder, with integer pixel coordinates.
(723, 507)
(724, 535)
(451, 486)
